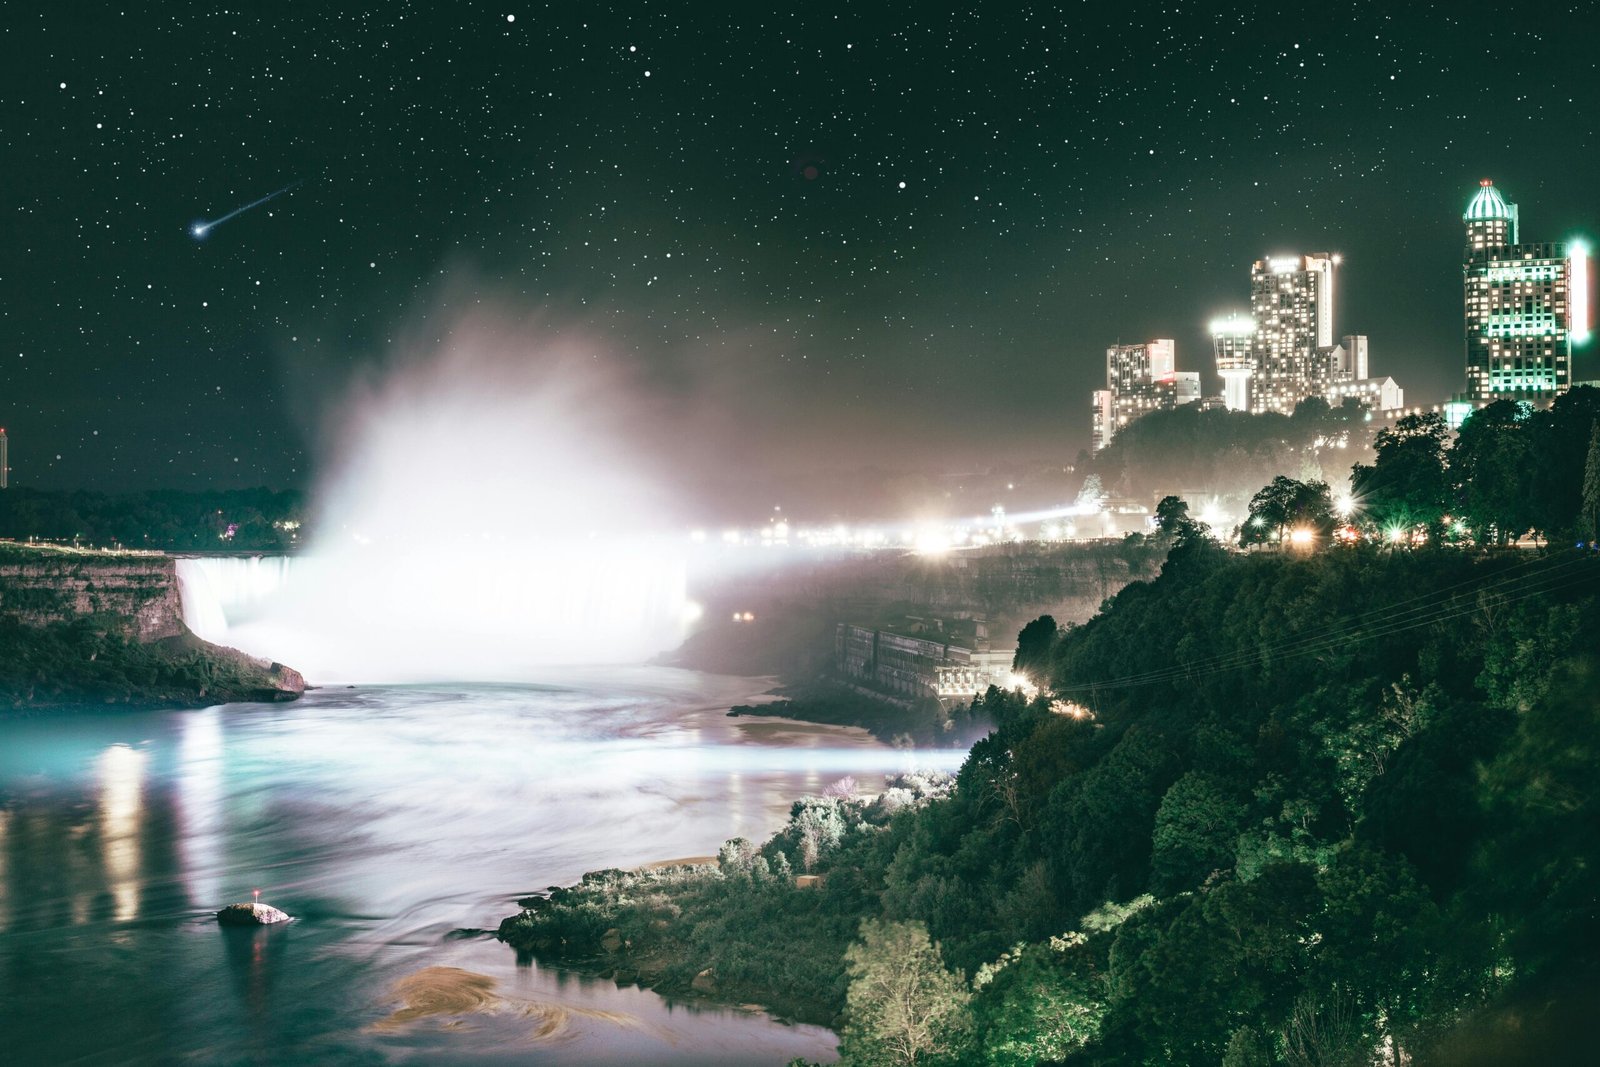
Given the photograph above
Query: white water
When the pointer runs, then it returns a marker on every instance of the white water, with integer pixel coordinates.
(485, 616)
(483, 521)
(220, 592)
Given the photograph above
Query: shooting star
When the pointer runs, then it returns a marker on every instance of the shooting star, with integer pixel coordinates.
(199, 229)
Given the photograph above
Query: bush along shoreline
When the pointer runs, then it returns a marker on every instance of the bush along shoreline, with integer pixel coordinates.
(732, 931)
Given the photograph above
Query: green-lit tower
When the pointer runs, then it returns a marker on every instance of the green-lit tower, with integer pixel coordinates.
(1524, 304)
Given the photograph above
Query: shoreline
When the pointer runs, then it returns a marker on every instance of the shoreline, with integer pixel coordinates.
(659, 967)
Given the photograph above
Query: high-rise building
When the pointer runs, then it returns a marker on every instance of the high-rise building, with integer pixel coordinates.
(1233, 342)
(1291, 300)
(1140, 378)
(1526, 304)
(1283, 351)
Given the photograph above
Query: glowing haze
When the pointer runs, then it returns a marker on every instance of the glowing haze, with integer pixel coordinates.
(483, 520)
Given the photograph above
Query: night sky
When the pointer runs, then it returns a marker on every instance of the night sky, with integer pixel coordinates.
(829, 236)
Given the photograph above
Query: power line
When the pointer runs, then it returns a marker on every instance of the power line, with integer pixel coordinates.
(1435, 606)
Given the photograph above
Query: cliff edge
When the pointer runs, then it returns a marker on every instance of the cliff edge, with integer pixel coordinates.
(81, 626)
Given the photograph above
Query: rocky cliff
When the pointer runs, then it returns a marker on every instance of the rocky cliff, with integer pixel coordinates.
(81, 626)
(135, 592)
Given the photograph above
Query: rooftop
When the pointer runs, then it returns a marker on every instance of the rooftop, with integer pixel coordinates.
(1487, 203)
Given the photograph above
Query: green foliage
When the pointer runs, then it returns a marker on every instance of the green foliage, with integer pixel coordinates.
(81, 661)
(1035, 643)
(1038, 1003)
(1246, 1049)
(1407, 487)
(1556, 475)
(254, 519)
(1231, 452)
(1588, 521)
(1323, 802)
(1196, 829)
(904, 1008)
(1541, 856)
(1285, 505)
(1489, 464)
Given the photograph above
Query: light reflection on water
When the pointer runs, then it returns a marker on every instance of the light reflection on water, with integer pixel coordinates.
(383, 820)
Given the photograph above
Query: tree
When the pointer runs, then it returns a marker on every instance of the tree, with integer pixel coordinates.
(1175, 524)
(903, 1007)
(1283, 504)
(1038, 1003)
(1172, 514)
(1196, 828)
(1092, 495)
(1489, 465)
(818, 825)
(1034, 645)
(1589, 518)
(1246, 1049)
(1561, 436)
(1407, 486)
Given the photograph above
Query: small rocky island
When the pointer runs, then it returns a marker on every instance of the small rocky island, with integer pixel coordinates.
(86, 626)
(254, 913)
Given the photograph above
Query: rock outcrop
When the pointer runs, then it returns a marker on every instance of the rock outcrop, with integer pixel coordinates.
(134, 592)
(253, 914)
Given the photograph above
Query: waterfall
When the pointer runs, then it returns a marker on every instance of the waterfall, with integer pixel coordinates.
(497, 613)
(221, 592)
(488, 513)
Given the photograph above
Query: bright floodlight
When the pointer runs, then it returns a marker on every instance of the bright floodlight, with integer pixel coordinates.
(1234, 325)
(1301, 536)
(1344, 504)
(1578, 290)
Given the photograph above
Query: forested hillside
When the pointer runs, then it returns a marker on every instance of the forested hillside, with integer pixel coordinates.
(1281, 809)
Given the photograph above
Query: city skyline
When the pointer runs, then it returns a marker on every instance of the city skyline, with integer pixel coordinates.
(805, 241)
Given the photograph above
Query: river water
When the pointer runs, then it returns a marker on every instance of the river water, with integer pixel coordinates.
(391, 823)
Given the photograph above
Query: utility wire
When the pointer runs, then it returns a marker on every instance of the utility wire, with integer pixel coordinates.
(1434, 606)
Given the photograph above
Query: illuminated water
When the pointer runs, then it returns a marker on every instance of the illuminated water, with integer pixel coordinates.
(383, 820)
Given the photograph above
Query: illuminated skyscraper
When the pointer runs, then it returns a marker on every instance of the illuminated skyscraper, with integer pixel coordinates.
(1140, 378)
(1283, 351)
(1291, 300)
(1233, 341)
(1526, 304)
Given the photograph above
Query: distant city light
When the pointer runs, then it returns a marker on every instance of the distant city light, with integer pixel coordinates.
(1234, 325)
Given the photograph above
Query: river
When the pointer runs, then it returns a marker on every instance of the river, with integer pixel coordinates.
(393, 824)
